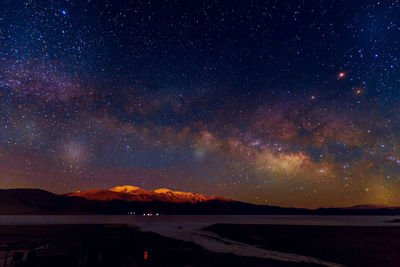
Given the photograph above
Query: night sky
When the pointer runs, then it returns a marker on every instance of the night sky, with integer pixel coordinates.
(292, 103)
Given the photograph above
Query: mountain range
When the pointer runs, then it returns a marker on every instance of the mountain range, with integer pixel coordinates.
(134, 194)
(129, 199)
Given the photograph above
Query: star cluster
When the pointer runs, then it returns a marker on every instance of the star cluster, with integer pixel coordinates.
(292, 103)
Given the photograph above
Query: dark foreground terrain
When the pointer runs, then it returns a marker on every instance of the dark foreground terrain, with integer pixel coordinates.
(351, 246)
(107, 245)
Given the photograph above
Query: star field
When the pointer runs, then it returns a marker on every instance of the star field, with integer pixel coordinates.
(292, 103)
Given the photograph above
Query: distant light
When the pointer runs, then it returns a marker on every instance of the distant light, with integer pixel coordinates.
(341, 75)
(64, 12)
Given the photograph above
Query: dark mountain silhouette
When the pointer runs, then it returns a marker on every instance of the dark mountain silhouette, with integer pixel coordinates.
(370, 207)
(127, 199)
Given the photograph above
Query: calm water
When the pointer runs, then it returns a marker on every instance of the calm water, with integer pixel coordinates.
(202, 220)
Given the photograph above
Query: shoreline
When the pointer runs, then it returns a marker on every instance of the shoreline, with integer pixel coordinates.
(111, 245)
(279, 243)
(347, 245)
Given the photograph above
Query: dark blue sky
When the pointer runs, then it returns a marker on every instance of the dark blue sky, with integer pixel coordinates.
(281, 102)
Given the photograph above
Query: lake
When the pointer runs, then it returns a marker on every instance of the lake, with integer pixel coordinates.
(200, 220)
(191, 228)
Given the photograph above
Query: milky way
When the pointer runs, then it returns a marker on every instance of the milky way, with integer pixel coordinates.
(292, 103)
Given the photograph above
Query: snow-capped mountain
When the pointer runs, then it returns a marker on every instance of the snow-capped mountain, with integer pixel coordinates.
(133, 193)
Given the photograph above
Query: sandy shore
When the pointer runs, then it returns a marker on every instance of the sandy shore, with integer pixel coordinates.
(194, 232)
(348, 245)
(112, 245)
(198, 243)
